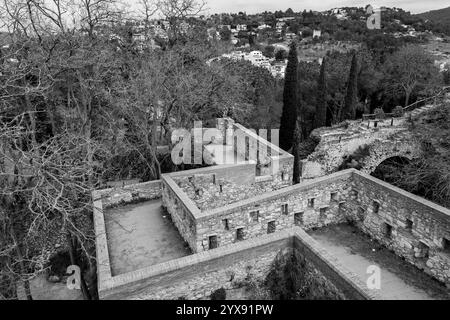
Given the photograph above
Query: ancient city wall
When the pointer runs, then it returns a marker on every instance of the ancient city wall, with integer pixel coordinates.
(413, 227)
(198, 275)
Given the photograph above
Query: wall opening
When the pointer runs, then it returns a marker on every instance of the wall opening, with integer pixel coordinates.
(446, 245)
(387, 230)
(409, 225)
(376, 206)
(323, 212)
(226, 224)
(254, 216)
(240, 234)
(361, 213)
(334, 196)
(422, 251)
(284, 209)
(298, 218)
(213, 243)
(311, 202)
(271, 227)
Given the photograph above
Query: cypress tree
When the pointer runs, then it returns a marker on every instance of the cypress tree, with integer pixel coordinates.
(351, 99)
(296, 153)
(320, 118)
(290, 100)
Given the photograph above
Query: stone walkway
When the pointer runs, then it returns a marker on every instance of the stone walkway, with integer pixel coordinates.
(399, 279)
(141, 235)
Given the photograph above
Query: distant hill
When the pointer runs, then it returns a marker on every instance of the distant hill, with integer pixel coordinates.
(437, 16)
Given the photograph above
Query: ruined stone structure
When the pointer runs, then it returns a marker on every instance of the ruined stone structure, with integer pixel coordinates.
(383, 140)
(235, 219)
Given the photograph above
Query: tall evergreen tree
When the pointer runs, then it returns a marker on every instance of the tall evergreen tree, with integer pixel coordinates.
(320, 118)
(290, 100)
(351, 99)
(296, 153)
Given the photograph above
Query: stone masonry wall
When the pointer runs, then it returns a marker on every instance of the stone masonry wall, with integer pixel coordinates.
(197, 276)
(412, 227)
(253, 215)
(181, 210)
(140, 191)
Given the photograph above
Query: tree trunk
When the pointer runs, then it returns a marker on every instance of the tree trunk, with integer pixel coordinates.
(407, 96)
(23, 270)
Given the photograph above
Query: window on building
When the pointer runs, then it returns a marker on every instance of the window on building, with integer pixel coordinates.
(376, 207)
(388, 230)
(226, 224)
(334, 196)
(213, 242)
(214, 178)
(284, 208)
(323, 212)
(220, 188)
(298, 218)
(271, 227)
(409, 225)
(239, 234)
(355, 194)
(311, 202)
(446, 245)
(254, 215)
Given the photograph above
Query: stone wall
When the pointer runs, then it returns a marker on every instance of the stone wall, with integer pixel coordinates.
(252, 216)
(181, 209)
(133, 192)
(197, 276)
(279, 163)
(243, 173)
(418, 229)
(412, 227)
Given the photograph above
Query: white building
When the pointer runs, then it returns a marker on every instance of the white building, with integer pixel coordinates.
(317, 33)
(264, 26)
(241, 27)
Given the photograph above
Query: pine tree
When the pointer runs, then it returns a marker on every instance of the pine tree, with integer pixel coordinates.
(351, 99)
(290, 100)
(320, 119)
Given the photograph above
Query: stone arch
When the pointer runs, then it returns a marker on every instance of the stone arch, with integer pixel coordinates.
(394, 166)
(381, 153)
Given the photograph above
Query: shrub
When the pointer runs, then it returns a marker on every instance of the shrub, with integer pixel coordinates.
(398, 111)
(379, 113)
(219, 294)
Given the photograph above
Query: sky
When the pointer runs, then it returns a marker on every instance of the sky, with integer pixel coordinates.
(255, 6)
